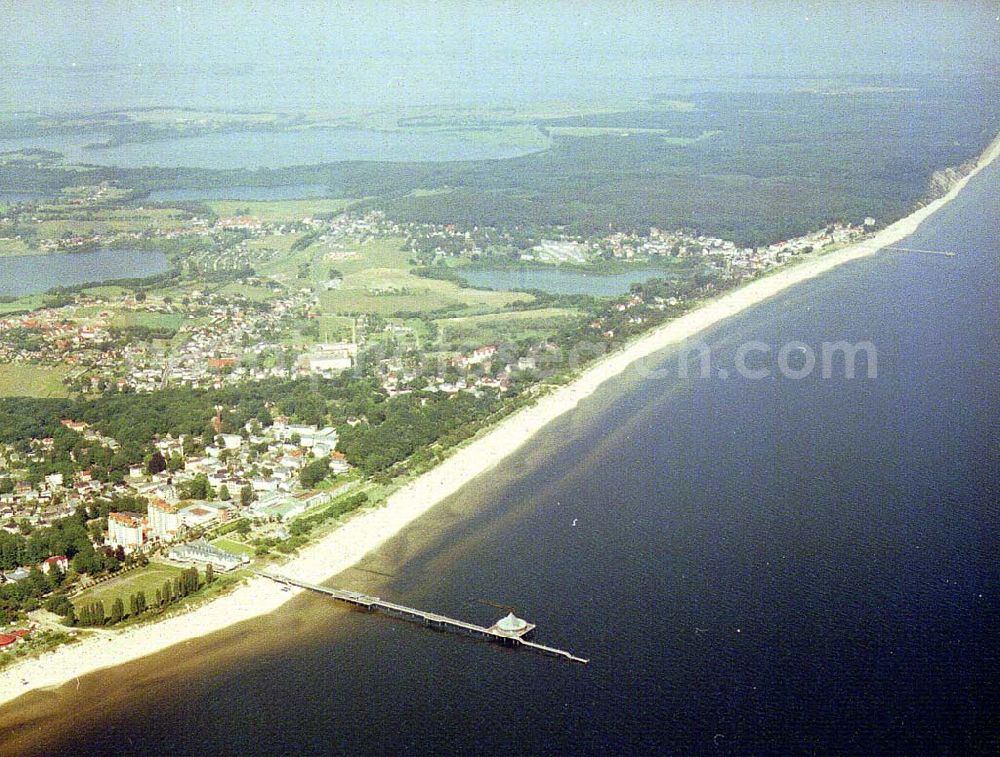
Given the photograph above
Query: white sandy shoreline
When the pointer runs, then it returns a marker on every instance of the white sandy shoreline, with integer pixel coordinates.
(368, 530)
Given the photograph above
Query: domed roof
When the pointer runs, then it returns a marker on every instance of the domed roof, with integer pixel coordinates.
(511, 623)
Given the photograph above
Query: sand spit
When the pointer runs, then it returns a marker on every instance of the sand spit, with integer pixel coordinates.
(368, 530)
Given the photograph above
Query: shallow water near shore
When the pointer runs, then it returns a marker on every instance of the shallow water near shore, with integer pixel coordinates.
(771, 566)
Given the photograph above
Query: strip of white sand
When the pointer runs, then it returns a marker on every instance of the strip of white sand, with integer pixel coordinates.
(365, 532)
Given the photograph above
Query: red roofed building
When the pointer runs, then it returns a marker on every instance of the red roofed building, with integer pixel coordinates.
(57, 562)
(338, 463)
(6, 639)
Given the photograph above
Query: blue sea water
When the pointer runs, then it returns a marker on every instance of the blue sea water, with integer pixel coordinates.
(766, 566)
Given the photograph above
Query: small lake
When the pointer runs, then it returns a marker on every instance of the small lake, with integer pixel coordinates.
(265, 149)
(30, 274)
(555, 281)
(291, 192)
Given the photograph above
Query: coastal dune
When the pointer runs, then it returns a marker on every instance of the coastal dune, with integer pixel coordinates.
(369, 529)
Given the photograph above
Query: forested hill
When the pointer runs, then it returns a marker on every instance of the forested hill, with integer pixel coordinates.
(754, 168)
(760, 167)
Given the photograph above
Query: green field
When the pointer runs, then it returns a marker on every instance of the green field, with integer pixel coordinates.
(233, 546)
(377, 280)
(388, 291)
(28, 302)
(147, 579)
(279, 210)
(20, 380)
(252, 293)
(9, 246)
(129, 318)
(285, 263)
(379, 253)
(105, 291)
(471, 331)
(335, 328)
(99, 221)
(279, 244)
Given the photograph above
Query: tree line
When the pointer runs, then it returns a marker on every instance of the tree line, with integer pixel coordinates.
(94, 614)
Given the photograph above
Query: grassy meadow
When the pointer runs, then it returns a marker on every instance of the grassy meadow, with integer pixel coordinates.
(23, 380)
(147, 579)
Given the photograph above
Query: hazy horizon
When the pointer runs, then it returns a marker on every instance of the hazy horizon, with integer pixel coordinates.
(320, 56)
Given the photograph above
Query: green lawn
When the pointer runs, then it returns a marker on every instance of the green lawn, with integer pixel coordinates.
(275, 243)
(388, 291)
(335, 328)
(147, 579)
(105, 291)
(319, 259)
(470, 331)
(28, 302)
(329, 328)
(235, 547)
(285, 263)
(378, 253)
(21, 380)
(377, 279)
(125, 319)
(10, 246)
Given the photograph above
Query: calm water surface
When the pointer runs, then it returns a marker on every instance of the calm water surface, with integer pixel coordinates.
(270, 149)
(756, 567)
(29, 274)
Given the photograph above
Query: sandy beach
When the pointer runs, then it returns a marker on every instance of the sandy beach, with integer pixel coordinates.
(371, 528)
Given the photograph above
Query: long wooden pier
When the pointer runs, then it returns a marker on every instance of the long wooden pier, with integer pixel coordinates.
(513, 633)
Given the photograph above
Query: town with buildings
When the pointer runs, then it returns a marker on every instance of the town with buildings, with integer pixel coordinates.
(307, 302)
(215, 339)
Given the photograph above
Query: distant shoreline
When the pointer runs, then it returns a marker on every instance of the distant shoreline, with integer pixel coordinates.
(370, 529)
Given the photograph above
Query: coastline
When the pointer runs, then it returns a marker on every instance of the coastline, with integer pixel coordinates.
(369, 529)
